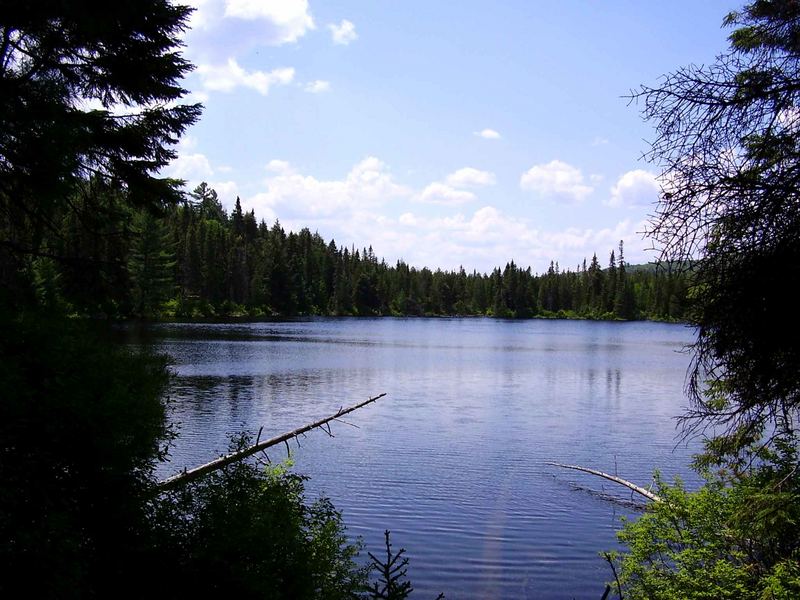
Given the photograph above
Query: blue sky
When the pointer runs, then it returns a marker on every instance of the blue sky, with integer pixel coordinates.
(443, 133)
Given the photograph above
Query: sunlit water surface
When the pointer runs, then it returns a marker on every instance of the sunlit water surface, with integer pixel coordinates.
(452, 460)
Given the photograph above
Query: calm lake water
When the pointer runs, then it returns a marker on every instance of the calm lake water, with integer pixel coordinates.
(452, 460)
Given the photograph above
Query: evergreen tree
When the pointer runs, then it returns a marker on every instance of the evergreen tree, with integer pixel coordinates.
(237, 219)
(610, 292)
(596, 283)
(53, 58)
(624, 298)
(151, 264)
(207, 204)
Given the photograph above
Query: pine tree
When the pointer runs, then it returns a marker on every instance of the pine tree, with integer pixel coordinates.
(624, 300)
(151, 264)
(596, 286)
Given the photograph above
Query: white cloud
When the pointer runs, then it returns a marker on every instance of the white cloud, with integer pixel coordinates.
(368, 184)
(556, 180)
(408, 219)
(191, 167)
(343, 33)
(451, 192)
(227, 191)
(194, 97)
(222, 28)
(228, 77)
(635, 188)
(487, 134)
(200, 16)
(195, 168)
(290, 19)
(489, 238)
(440, 193)
(469, 177)
(187, 142)
(279, 166)
(599, 141)
(368, 206)
(317, 87)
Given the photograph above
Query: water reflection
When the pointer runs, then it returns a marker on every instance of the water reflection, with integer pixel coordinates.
(453, 460)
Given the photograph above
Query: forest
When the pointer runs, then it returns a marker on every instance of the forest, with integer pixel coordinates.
(198, 261)
(91, 232)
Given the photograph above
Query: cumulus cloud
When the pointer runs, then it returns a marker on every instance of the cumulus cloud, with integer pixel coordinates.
(634, 188)
(408, 219)
(368, 206)
(281, 22)
(488, 238)
(596, 178)
(317, 87)
(222, 28)
(194, 168)
(556, 180)
(451, 192)
(469, 178)
(487, 134)
(226, 78)
(279, 166)
(227, 191)
(440, 193)
(368, 184)
(344, 33)
(191, 167)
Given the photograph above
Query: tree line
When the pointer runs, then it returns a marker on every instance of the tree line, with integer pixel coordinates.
(87, 227)
(196, 260)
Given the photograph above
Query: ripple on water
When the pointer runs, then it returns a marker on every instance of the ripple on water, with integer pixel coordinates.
(452, 461)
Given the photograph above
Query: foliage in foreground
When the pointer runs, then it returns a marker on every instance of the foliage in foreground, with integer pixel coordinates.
(728, 140)
(82, 424)
(734, 541)
(81, 427)
(247, 531)
(91, 109)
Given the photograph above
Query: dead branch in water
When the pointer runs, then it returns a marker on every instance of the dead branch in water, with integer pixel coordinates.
(190, 475)
(631, 486)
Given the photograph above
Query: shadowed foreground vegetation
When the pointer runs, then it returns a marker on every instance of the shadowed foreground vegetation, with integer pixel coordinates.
(728, 140)
(88, 229)
(82, 419)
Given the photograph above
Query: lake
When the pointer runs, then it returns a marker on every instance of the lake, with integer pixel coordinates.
(452, 460)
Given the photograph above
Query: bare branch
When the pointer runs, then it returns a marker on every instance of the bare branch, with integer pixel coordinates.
(631, 486)
(192, 474)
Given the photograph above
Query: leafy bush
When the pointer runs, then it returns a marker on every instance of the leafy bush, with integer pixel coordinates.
(248, 532)
(736, 538)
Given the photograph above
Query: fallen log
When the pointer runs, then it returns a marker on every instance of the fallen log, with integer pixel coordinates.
(632, 486)
(186, 476)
